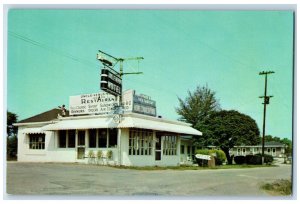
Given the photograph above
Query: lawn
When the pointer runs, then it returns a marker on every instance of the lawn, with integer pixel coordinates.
(280, 187)
(182, 167)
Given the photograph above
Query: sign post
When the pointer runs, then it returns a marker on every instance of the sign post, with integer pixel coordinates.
(112, 83)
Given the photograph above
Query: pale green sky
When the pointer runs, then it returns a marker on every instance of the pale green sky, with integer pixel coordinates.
(52, 55)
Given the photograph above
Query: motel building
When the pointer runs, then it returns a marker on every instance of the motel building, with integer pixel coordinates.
(92, 131)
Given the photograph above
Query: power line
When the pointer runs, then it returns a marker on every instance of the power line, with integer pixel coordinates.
(51, 49)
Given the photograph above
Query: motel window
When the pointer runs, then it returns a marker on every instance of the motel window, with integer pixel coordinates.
(244, 151)
(36, 141)
(102, 138)
(170, 144)
(92, 138)
(269, 150)
(140, 142)
(71, 138)
(113, 137)
(62, 141)
(182, 149)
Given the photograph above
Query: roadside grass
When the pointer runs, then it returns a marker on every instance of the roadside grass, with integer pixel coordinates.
(183, 167)
(282, 187)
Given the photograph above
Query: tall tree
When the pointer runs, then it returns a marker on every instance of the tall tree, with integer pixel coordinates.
(270, 138)
(11, 119)
(197, 106)
(11, 141)
(229, 128)
(288, 146)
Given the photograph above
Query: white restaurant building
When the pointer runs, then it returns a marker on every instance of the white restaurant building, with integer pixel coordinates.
(137, 138)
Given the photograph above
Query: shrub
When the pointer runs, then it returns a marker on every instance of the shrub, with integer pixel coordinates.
(219, 158)
(267, 158)
(99, 154)
(109, 154)
(253, 159)
(239, 159)
(91, 154)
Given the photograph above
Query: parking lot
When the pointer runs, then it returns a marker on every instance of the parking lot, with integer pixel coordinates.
(82, 179)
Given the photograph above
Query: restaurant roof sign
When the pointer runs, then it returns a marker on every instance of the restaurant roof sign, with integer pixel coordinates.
(104, 103)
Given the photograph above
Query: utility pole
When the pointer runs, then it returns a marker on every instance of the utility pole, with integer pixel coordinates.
(266, 102)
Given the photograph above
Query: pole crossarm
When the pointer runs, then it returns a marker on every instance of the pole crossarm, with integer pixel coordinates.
(266, 72)
(126, 73)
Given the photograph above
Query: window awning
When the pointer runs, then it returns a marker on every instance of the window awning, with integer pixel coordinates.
(36, 130)
(159, 125)
(78, 124)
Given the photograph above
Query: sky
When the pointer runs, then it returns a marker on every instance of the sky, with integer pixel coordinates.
(52, 55)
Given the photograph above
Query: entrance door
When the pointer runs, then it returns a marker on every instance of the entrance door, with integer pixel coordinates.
(81, 144)
(158, 148)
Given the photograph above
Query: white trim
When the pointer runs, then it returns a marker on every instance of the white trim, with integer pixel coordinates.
(32, 123)
(36, 130)
(128, 121)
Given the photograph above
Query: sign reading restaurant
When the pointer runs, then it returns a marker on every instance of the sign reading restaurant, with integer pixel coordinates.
(103, 103)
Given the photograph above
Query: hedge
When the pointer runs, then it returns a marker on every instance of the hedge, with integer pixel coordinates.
(239, 159)
(267, 158)
(253, 159)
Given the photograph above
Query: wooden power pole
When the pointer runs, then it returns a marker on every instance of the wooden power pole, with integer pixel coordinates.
(266, 102)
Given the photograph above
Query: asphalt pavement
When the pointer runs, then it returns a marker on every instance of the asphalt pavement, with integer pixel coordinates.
(58, 179)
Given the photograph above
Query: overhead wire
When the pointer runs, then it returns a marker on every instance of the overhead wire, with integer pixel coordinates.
(51, 49)
(75, 58)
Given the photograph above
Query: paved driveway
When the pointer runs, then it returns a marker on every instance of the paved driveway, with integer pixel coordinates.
(80, 179)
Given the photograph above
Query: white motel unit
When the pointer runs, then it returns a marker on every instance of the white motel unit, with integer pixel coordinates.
(129, 139)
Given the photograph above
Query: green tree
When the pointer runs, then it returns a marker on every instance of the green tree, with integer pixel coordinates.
(11, 119)
(288, 146)
(198, 105)
(227, 129)
(11, 140)
(270, 138)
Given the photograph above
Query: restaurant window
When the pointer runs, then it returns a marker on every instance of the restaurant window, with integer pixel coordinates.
(81, 137)
(71, 138)
(102, 138)
(193, 152)
(36, 141)
(140, 142)
(113, 137)
(169, 145)
(182, 149)
(92, 138)
(188, 150)
(62, 138)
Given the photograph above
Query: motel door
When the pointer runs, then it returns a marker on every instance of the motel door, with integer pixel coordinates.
(81, 144)
(158, 148)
